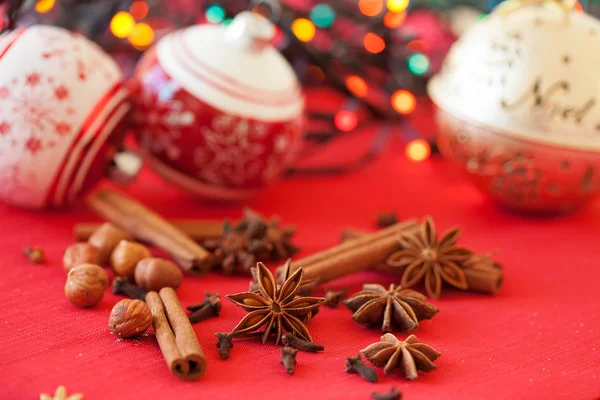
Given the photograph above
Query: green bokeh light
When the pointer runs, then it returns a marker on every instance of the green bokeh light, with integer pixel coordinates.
(322, 16)
(215, 13)
(418, 64)
(227, 21)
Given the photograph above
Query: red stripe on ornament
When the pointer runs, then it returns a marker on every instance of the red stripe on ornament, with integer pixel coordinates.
(98, 109)
(12, 41)
(215, 85)
(273, 95)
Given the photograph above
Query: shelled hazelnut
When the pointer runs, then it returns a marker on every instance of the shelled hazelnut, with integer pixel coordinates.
(80, 253)
(106, 238)
(85, 285)
(125, 257)
(129, 318)
(157, 273)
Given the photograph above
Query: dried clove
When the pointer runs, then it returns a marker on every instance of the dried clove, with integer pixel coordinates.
(333, 297)
(288, 359)
(211, 306)
(386, 219)
(291, 340)
(224, 344)
(122, 287)
(35, 255)
(354, 365)
(391, 395)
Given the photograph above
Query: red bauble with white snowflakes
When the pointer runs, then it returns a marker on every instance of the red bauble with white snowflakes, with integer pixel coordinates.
(218, 109)
(62, 104)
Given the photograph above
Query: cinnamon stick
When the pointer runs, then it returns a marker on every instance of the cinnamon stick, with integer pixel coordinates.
(198, 230)
(147, 226)
(175, 336)
(353, 256)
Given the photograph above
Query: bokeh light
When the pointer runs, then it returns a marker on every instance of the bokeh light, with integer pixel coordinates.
(139, 9)
(393, 20)
(373, 43)
(122, 24)
(44, 6)
(418, 64)
(403, 101)
(357, 86)
(370, 8)
(215, 13)
(322, 16)
(141, 36)
(303, 29)
(314, 74)
(345, 120)
(418, 150)
(397, 5)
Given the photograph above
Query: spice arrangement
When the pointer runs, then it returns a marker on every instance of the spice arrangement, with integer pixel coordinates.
(280, 306)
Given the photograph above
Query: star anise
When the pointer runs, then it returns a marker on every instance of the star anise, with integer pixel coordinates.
(409, 356)
(275, 307)
(306, 286)
(397, 307)
(277, 240)
(424, 257)
(239, 247)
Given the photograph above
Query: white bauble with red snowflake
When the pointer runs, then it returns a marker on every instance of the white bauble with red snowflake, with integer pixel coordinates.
(218, 109)
(62, 104)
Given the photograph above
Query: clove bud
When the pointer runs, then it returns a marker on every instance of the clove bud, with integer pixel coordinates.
(211, 306)
(288, 359)
(122, 287)
(224, 344)
(386, 219)
(35, 255)
(294, 341)
(354, 365)
(333, 297)
(392, 395)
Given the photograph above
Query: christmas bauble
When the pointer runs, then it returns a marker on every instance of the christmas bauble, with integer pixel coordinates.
(62, 104)
(519, 107)
(218, 109)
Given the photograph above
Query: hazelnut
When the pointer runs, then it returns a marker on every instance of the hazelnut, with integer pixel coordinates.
(106, 238)
(85, 285)
(80, 253)
(157, 273)
(126, 256)
(129, 318)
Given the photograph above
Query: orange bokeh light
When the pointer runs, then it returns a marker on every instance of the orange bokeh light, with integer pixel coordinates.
(357, 86)
(370, 8)
(403, 101)
(44, 6)
(141, 36)
(374, 43)
(418, 150)
(139, 9)
(417, 46)
(394, 19)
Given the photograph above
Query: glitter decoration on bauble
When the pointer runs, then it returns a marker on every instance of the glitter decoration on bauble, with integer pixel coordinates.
(518, 106)
(217, 109)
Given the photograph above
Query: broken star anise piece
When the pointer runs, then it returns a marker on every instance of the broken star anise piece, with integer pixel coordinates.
(239, 247)
(409, 356)
(278, 240)
(425, 258)
(277, 308)
(396, 308)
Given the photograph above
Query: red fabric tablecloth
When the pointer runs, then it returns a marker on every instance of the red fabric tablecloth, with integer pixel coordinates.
(537, 339)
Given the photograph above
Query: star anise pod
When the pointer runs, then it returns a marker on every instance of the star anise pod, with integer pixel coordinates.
(239, 247)
(409, 356)
(277, 308)
(397, 307)
(277, 240)
(424, 257)
(306, 286)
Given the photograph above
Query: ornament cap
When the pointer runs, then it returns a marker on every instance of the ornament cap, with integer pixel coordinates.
(250, 30)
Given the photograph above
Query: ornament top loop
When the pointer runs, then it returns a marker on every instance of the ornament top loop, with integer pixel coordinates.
(564, 6)
(251, 31)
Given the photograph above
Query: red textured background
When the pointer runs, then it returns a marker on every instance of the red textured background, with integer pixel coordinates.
(537, 339)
